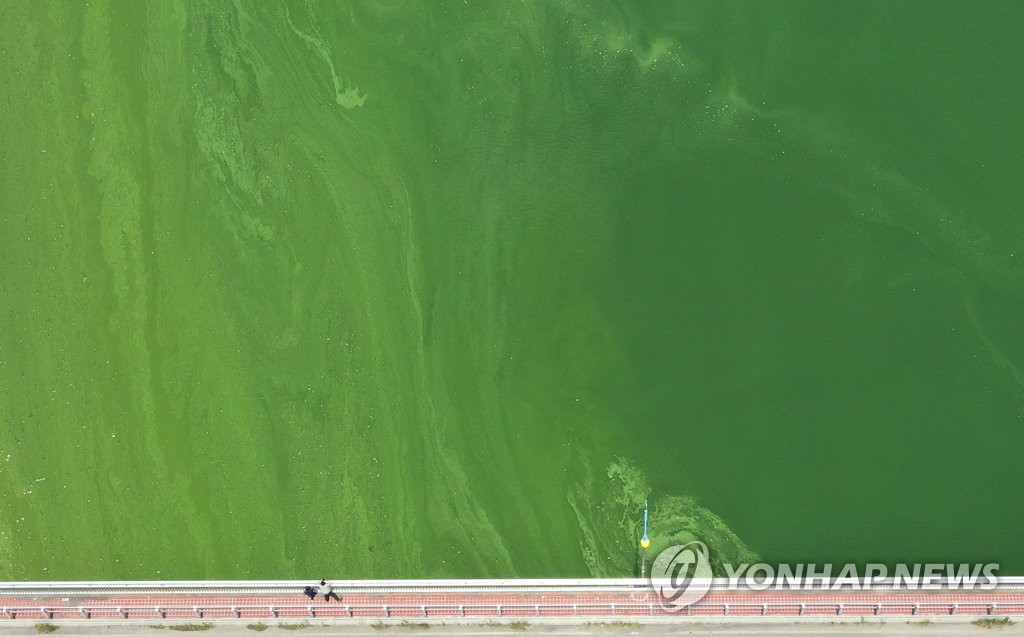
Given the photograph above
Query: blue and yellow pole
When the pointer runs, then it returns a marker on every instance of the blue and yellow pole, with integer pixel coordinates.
(645, 542)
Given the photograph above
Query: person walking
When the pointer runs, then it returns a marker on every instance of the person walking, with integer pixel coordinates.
(328, 591)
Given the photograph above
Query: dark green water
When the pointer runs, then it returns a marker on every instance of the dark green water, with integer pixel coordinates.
(398, 289)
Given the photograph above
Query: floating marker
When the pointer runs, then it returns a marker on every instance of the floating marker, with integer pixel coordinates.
(645, 541)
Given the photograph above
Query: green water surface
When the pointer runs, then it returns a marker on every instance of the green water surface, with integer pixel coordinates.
(445, 288)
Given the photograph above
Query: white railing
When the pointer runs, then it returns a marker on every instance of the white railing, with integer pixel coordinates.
(505, 611)
(243, 587)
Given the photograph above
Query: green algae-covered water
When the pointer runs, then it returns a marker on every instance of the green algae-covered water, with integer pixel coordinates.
(407, 289)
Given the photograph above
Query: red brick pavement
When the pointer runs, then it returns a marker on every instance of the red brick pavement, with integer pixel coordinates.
(516, 605)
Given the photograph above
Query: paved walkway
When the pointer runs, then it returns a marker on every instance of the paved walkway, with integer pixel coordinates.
(521, 605)
(757, 628)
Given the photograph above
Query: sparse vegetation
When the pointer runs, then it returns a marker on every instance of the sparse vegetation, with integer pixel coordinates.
(990, 622)
(46, 628)
(519, 625)
(258, 627)
(380, 625)
(408, 624)
(299, 626)
(190, 627)
(617, 624)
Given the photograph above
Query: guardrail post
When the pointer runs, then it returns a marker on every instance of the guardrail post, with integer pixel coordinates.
(311, 612)
(689, 609)
(725, 609)
(122, 612)
(348, 609)
(574, 610)
(234, 610)
(954, 608)
(916, 608)
(462, 610)
(764, 609)
(273, 611)
(7, 611)
(46, 613)
(878, 609)
(199, 613)
(159, 612)
(839, 609)
(423, 608)
(803, 607)
(536, 607)
(613, 610)
(499, 610)
(991, 609)
(387, 611)
(650, 609)
(82, 610)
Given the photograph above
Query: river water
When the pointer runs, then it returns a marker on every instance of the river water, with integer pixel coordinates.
(408, 289)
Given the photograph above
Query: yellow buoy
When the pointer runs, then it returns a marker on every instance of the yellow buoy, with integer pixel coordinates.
(644, 541)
